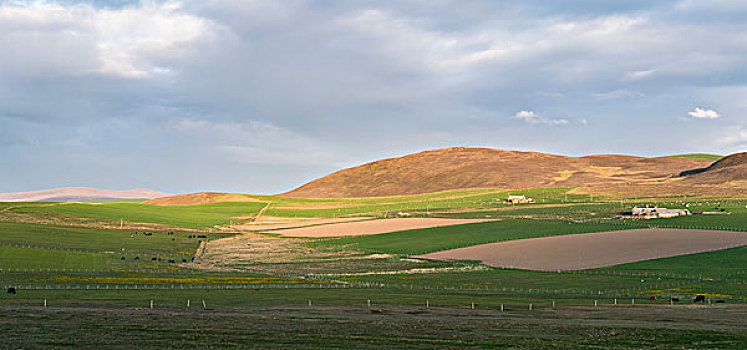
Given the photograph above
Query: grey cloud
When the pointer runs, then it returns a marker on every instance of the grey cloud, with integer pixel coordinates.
(260, 95)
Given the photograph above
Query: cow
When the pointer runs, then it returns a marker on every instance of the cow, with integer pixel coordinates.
(674, 300)
(137, 258)
(719, 301)
(699, 298)
(652, 298)
(123, 258)
(184, 260)
(11, 290)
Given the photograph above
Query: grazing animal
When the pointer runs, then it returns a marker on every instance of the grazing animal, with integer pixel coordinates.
(137, 258)
(699, 298)
(719, 301)
(123, 258)
(184, 260)
(154, 259)
(11, 290)
(652, 298)
(675, 300)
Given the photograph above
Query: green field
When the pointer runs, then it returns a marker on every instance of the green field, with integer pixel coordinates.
(100, 280)
(429, 240)
(699, 156)
(196, 216)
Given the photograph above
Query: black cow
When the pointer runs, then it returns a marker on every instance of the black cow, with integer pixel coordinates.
(11, 290)
(123, 258)
(719, 301)
(137, 258)
(699, 298)
(675, 300)
(153, 259)
(184, 260)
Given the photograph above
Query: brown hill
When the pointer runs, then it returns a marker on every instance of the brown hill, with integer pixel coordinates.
(728, 170)
(467, 167)
(200, 198)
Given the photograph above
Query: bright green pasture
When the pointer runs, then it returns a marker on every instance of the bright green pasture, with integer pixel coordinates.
(95, 240)
(722, 264)
(35, 259)
(417, 204)
(194, 216)
(698, 156)
(422, 241)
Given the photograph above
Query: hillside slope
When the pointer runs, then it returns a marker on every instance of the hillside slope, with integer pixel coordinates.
(71, 194)
(466, 167)
(200, 198)
(731, 169)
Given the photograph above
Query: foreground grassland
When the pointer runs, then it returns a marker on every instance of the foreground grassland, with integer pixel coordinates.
(335, 326)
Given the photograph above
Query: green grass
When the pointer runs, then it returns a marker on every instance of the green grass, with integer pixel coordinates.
(698, 156)
(195, 216)
(35, 259)
(429, 240)
(722, 264)
(95, 240)
(76, 319)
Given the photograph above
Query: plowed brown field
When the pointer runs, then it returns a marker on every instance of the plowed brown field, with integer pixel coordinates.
(372, 227)
(592, 250)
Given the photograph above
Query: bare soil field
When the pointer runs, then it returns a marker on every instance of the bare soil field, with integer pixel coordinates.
(274, 223)
(593, 250)
(373, 227)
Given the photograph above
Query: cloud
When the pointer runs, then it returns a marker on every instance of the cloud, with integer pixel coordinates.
(48, 39)
(638, 74)
(618, 93)
(701, 113)
(533, 118)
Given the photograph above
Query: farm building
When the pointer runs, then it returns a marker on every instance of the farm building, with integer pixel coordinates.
(519, 199)
(647, 212)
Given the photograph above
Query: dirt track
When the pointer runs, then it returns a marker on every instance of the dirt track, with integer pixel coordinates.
(592, 250)
(372, 227)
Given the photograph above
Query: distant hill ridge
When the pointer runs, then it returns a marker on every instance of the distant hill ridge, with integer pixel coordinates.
(71, 194)
(470, 167)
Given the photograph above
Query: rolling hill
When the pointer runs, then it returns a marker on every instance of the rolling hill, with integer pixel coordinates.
(467, 167)
(731, 169)
(72, 194)
(200, 198)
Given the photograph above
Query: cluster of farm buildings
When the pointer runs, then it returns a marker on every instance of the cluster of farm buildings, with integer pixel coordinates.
(647, 212)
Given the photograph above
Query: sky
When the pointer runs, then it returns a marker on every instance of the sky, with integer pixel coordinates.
(261, 96)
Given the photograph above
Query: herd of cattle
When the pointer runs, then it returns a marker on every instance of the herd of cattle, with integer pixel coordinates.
(700, 298)
(169, 233)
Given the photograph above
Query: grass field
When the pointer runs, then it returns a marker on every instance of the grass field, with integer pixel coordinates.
(699, 156)
(197, 216)
(429, 240)
(330, 325)
(97, 299)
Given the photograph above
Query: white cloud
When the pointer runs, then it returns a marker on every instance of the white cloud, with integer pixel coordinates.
(533, 118)
(638, 74)
(701, 113)
(44, 38)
